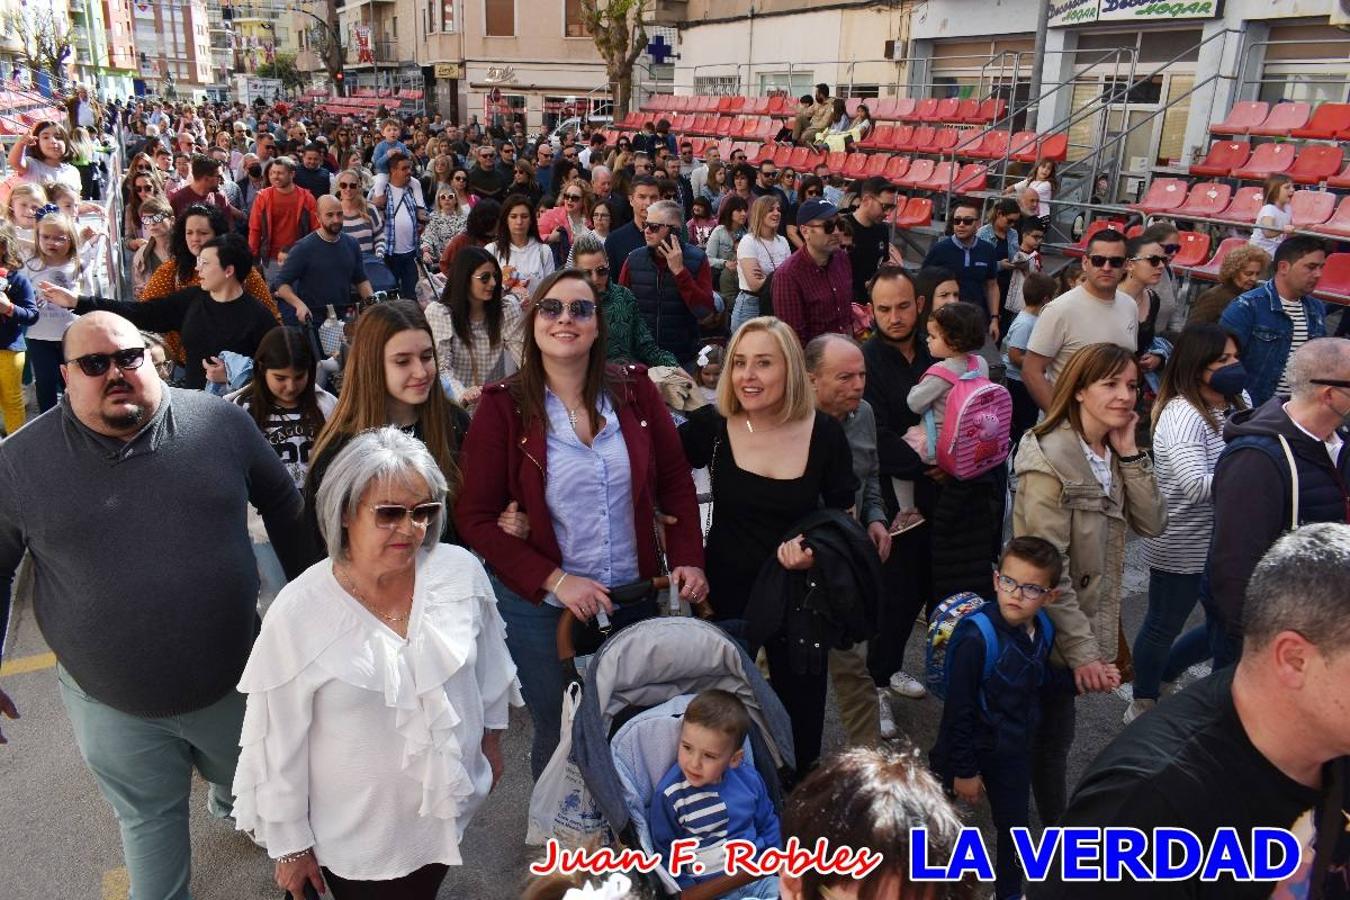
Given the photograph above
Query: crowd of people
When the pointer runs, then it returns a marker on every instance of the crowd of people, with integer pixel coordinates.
(419, 392)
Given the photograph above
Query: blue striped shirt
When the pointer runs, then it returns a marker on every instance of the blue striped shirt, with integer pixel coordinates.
(589, 491)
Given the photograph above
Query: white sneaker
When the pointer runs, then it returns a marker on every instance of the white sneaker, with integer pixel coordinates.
(888, 729)
(906, 685)
(1137, 708)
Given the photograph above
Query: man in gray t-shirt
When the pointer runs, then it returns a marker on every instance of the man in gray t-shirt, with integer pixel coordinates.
(1092, 313)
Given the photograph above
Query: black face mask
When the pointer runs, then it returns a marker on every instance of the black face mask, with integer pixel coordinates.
(255, 171)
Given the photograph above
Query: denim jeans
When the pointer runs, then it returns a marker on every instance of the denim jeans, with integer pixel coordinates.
(747, 308)
(1158, 655)
(144, 770)
(44, 357)
(403, 266)
(531, 636)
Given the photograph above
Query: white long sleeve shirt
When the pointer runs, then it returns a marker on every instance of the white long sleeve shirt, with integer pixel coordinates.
(364, 745)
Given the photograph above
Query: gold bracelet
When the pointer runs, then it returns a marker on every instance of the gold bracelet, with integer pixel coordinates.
(298, 855)
(557, 584)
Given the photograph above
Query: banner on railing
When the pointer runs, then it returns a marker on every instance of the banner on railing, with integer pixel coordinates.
(363, 52)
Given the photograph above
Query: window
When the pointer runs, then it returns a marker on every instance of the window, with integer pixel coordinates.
(863, 91)
(795, 85)
(499, 18)
(573, 24)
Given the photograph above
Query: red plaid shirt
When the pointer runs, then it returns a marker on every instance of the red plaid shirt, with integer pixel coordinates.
(812, 299)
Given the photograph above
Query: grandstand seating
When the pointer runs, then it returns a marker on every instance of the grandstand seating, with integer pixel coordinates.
(1209, 271)
(1339, 223)
(1208, 199)
(1223, 158)
(1326, 120)
(1194, 249)
(1316, 163)
(1243, 117)
(1164, 195)
(1094, 226)
(1310, 208)
(916, 213)
(1335, 282)
(1246, 203)
(1342, 180)
(1283, 118)
(1266, 160)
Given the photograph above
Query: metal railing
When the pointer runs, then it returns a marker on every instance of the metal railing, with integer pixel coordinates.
(1248, 65)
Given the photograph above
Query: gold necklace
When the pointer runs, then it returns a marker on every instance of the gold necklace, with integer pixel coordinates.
(347, 583)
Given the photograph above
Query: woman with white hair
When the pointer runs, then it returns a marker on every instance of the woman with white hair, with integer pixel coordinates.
(377, 689)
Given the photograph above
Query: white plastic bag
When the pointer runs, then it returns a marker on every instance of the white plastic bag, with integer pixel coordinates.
(561, 805)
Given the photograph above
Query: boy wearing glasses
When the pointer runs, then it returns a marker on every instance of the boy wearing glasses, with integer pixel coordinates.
(984, 740)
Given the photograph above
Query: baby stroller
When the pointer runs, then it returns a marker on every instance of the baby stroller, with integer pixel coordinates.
(626, 731)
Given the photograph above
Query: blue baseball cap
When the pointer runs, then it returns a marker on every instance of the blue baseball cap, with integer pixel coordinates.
(814, 209)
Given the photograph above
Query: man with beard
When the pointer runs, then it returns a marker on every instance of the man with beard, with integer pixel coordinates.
(323, 267)
(897, 356)
(144, 583)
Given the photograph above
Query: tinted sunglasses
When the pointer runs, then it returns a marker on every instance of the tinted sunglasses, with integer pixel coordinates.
(964, 220)
(96, 364)
(552, 309)
(576, 197)
(1102, 262)
(345, 185)
(597, 272)
(145, 189)
(485, 277)
(391, 515)
(654, 227)
(828, 226)
(1152, 260)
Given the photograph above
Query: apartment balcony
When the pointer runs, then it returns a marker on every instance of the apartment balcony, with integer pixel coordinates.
(670, 12)
(384, 53)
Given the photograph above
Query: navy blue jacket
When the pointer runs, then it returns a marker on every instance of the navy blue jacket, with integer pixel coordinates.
(1253, 499)
(973, 268)
(1004, 723)
(671, 321)
(12, 327)
(621, 242)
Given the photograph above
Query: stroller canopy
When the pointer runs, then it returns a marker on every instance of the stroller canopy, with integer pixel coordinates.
(647, 664)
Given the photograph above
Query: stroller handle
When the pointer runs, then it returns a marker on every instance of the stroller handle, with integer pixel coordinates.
(566, 646)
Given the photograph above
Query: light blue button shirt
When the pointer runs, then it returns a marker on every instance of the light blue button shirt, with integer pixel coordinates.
(589, 491)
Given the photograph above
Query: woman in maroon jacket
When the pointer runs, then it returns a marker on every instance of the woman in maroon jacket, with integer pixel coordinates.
(588, 454)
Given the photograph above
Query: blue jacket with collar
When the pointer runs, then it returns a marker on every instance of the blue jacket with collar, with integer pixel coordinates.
(1265, 334)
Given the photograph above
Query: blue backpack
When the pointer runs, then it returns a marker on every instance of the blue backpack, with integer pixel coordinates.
(942, 624)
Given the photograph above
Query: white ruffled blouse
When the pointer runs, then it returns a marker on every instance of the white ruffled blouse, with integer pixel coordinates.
(364, 745)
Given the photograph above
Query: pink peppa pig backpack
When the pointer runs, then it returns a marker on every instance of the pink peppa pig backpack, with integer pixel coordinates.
(975, 432)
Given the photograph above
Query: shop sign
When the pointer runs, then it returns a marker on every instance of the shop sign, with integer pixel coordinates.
(1137, 10)
(1064, 13)
(447, 70)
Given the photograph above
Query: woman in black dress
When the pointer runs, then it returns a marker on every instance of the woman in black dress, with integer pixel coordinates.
(773, 459)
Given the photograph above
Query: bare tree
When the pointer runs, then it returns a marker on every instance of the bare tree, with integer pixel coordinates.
(45, 40)
(620, 35)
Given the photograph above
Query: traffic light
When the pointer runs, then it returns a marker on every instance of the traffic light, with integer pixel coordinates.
(339, 78)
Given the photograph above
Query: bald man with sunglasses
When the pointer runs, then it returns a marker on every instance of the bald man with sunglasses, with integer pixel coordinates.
(144, 583)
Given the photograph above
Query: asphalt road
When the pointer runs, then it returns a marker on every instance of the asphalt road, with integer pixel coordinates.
(60, 838)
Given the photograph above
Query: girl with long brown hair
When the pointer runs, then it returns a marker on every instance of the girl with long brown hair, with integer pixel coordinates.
(1081, 483)
(588, 453)
(477, 328)
(391, 379)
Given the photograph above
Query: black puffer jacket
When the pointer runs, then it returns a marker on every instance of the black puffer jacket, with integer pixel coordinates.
(831, 605)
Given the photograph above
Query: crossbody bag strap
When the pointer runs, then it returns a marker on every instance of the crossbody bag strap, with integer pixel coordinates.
(1293, 480)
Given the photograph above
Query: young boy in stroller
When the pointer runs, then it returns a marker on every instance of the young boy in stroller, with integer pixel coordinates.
(708, 795)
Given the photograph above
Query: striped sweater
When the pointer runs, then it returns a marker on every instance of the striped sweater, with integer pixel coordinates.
(736, 808)
(1185, 450)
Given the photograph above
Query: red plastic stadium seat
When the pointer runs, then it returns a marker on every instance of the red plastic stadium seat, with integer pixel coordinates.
(903, 138)
(905, 107)
(944, 139)
(738, 104)
(925, 110)
(1134, 231)
(991, 110)
(896, 167)
(1210, 271)
(919, 170)
(1207, 199)
(1326, 120)
(836, 161)
(1342, 180)
(856, 164)
(880, 138)
(1247, 202)
(1283, 118)
(884, 109)
(971, 177)
(851, 106)
(782, 155)
(1310, 208)
(1339, 223)
(1094, 226)
(967, 111)
(1242, 118)
(1335, 282)
(1055, 147)
(724, 104)
(1267, 160)
(1024, 146)
(708, 104)
(1164, 194)
(917, 213)
(724, 127)
(995, 145)
(764, 154)
(940, 178)
(757, 106)
(1194, 249)
(764, 129)
(947, 110)
(876, 164)
(777, 104)
(1223, 158)
(1316, 163)
(724, 148)
(798, 158)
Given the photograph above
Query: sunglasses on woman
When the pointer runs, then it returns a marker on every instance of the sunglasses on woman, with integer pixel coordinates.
(96, 364)
(552, 309)
(154, 219)
(392, 515)
(486, 278)
(348, 186)
(1152, 260)
(145, 188)
(572, 198)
